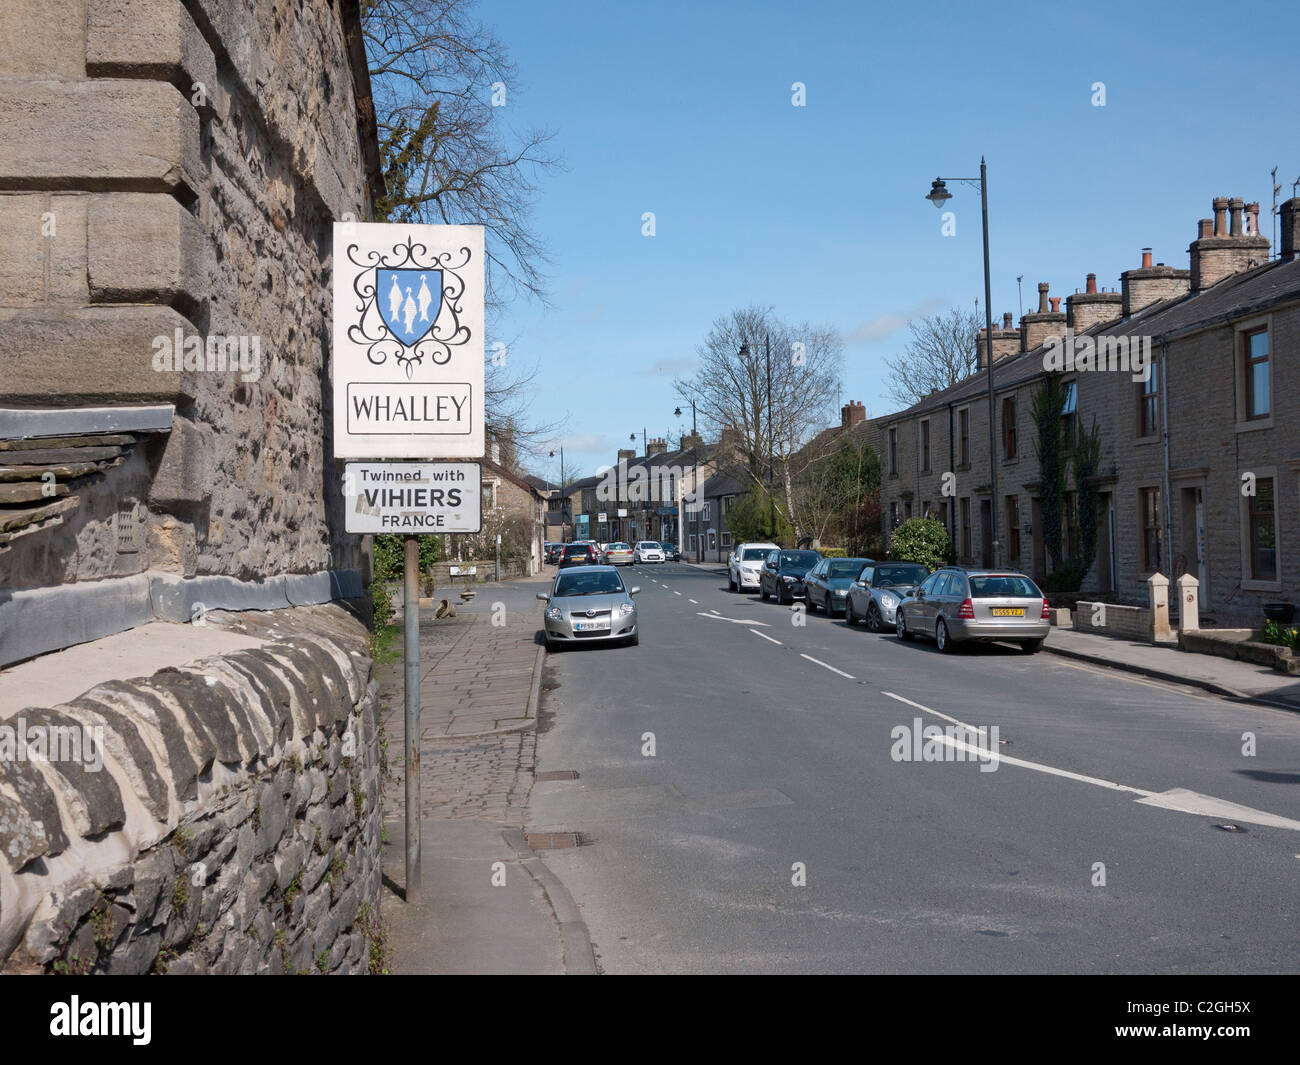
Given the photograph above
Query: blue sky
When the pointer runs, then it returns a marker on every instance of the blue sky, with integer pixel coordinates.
(685, 110)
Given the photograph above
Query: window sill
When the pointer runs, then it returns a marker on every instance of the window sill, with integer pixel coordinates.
(1152, 438)
(1260, 586)
(1011, 462)
(1254, 424)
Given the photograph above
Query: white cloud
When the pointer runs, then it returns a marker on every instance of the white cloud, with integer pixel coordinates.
(888, 324)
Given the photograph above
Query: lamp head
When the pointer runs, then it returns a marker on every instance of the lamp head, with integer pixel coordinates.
(939, 194)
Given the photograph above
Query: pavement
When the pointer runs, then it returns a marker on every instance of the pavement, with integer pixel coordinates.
(488, 903)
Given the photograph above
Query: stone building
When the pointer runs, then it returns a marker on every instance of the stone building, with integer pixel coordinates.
(1180, 445)
(171, 519)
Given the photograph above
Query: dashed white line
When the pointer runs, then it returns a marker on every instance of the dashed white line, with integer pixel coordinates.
(677, 593)
(780, 644)
(936, 713)
(693, 601)
(825, 665)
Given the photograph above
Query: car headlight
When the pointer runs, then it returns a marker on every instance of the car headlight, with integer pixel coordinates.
(888, 601)
(840, 592)
(554, 613)
(789, 580)
(626, 609)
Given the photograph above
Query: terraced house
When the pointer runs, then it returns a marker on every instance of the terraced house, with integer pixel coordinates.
(1188, 378)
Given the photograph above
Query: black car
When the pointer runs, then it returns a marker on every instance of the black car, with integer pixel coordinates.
(578, 555)
(671, 551)
(783, 573)
(553, 552)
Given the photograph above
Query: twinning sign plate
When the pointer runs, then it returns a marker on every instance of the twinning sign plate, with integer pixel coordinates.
(413, 497)
(408, 342)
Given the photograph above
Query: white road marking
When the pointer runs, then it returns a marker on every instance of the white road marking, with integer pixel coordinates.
(826, 666)
(715, 616)
(1180, 800)
(693, 601)
(780, 644)
(934, 712)
(677, 593)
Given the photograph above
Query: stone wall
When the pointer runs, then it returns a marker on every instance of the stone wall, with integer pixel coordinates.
(1133, 622)
(232, 825)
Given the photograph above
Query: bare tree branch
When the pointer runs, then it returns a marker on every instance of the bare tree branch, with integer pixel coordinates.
(942, 352)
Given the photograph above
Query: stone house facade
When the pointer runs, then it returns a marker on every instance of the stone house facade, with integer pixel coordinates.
(1181, 449)
(169, 179)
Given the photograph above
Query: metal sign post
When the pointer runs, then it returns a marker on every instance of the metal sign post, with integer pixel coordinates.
(411, 620)
(407, 365)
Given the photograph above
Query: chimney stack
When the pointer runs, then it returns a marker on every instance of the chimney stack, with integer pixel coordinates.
(1036, 329)
(1148, 284)
(626, 455)
(851, 413)
(1006, 341)
(656, 446)
(1083, 310)
(1226, 251)
(1289, 218)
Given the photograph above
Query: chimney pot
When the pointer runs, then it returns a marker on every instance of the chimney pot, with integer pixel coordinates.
(1220, 216)
(1092, 282)
(1252, 219)
(1042, 297)
(1056, 304)
(1006, 320)
(1146, 258)
(1205, 227)
(1235, 205)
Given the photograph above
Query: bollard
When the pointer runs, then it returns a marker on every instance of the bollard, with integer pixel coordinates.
(1189, 603)
(1158, 584)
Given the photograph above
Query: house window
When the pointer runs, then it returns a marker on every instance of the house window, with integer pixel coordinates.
(704, 511)
(1257, 375)
(1263, 532)
(943, 511)
(925, 509)
(1009, 427)
(965, 527)
(893, 515)
(1149, 504)
(1149, 402)
(893, 451)
(1070, 413)
(692, 542)
(1013, 528)
(726, 539)
(963, 439)
(925, 446)
(488, 489)
(907, 510)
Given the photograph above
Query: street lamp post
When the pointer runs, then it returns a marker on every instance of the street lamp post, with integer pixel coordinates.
(563, 498)
(939, 195)
(695, 458)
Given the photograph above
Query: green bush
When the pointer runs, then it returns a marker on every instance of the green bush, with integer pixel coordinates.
(381, 605)
(922, 540)
(390, 557)
(833, 552)
(1066, 579)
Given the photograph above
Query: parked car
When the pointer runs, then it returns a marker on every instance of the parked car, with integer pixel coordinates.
(578, 555)
(783, 573)
(745, 563)
(955, 605)
(648, 551)
(617, 554)
(671, 551)
(591, 604)
(880, 587)
(827, 584)
(554, 552)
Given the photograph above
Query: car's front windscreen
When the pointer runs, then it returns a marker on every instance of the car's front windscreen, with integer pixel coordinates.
(897, 575)
(799, 559)
(598, 583)
(755, 554)
(1011, 587)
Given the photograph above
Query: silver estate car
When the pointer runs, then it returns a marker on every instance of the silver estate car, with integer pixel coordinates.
(954, 605)
(879, 589)
(589, 604)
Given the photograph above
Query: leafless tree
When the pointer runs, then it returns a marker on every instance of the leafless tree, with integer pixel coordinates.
(730, 390)
(942, 352)
(449, 155)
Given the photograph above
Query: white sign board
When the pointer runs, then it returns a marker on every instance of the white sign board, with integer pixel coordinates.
(412, 497)
(408, 341)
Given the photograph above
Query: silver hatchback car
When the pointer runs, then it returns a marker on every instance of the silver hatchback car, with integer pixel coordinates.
(955, 605)
(589, 604)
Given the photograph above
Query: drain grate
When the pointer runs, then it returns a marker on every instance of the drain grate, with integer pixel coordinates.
(1230, 828)
(550, 841)
(558, 774)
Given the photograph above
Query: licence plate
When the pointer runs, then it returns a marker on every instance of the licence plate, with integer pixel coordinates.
(589, 626)
(1008, 612)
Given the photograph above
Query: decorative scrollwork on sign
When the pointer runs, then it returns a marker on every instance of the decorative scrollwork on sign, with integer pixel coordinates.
(398, 334)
